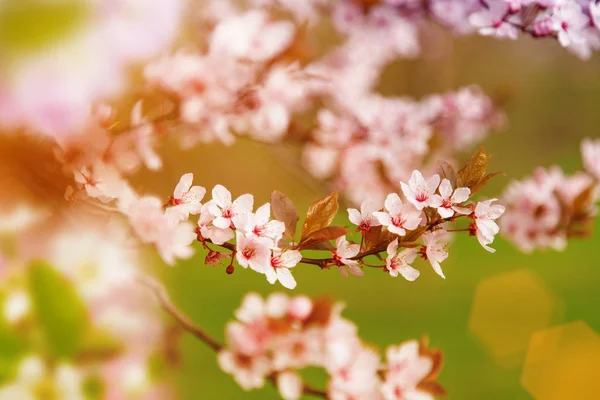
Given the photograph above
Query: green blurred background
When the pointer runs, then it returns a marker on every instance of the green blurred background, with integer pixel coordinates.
(484, 313)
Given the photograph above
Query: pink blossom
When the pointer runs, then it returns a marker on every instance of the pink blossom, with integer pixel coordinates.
(590, 150)
(491, 21)
(251, 36)
(405, 370)
(290, 385)
(101, 181)
(250, 252)
(569, 21)
(435, 249)
(451, 199)
(208, 230)
(300, 307)
(281, 262)
(249, 372)
(485, 216)
(353, 368)
(130, 149)
(258, 225)
(364, 218)
(397, 219)
(186, 198)
(224, 210)
(171, 237)
(399, 263)
(299, 349)
(421, 193)
(343, 257)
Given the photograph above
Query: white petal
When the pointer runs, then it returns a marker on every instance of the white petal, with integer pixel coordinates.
(460, 195)
(383, 218)
(286, 278)
(221, 196)
(243, 204)
(289, 385)
(393, 204)
(409, 273)
(433, 183)
(354, 216)
(185, 183)
(445, 188)
(263, 213)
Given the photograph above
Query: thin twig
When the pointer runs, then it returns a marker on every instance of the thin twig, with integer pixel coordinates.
(183, 320)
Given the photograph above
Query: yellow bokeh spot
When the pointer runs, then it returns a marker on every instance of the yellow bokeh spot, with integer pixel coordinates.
(507, 309)
(562, 363)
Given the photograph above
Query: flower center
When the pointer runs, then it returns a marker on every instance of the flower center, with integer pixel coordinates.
(248, 252)
(420, 197)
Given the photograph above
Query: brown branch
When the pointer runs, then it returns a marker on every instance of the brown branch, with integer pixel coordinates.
(188, 325)
(323, 262)
(183, 320)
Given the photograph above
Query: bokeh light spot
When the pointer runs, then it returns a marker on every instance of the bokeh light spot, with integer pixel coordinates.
(507, 309)
(562, 363)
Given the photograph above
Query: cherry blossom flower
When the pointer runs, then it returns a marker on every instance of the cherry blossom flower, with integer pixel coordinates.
(353, 368)
(399, 263)
(186, 198)
(569, 20)
(342, 257)
(249, 372)
(251, 36)
(490, 21)
(397, 219)
(258, 225)
(406, 368)
(281, 262)
(364, 219)
(101, 181)
(224, 210)
(421, 193)
(590, 151)
(486, 228)
(171, 237)
(435, 249)
(290, 385)
(250, 252)
(451, 199)
(208, 230)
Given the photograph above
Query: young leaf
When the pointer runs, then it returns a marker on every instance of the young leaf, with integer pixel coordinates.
(321, 312)
(376, 238)
(484, 181)
(59, 310)
(432, 387)
(474, 171)
(448, 172)
(584, 201)
(323, 235)
(319, 215)
(283, 210)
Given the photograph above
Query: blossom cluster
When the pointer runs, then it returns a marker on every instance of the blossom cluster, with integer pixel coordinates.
(273, 339)
(575, 23)
(545, 210)
(269, 245)
(52, 90)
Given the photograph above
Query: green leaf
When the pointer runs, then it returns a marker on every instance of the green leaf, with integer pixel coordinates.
(60, 312)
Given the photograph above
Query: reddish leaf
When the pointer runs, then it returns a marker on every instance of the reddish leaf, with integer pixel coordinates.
(319, 215)
(448, 172)
(322, 235)
(376, 238)
(484, 181)
(317, 245)
(283, 210)
(433, 387)
(321, 312)
(474, 171)
(583, 202)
